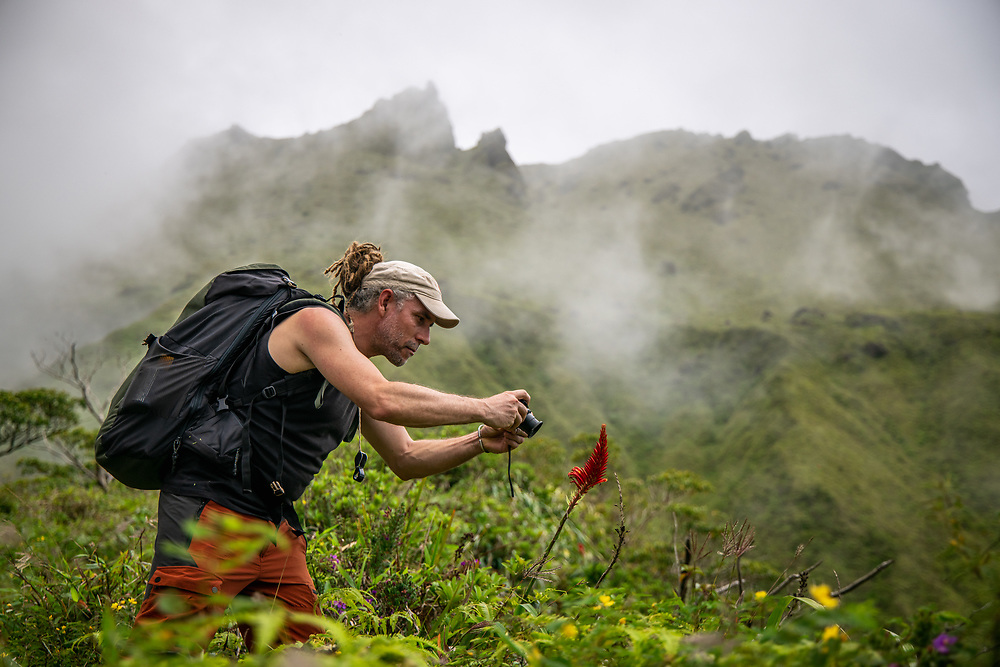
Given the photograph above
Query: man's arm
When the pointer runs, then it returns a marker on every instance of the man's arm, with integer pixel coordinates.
(410, 459)
(318, 338)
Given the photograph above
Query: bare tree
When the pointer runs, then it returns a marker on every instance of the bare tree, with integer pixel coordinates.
(70, 369)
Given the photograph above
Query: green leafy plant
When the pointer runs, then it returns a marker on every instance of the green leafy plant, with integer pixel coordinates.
(409, 574)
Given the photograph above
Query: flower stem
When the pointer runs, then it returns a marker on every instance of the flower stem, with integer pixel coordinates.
(540, 563)
(562, 522)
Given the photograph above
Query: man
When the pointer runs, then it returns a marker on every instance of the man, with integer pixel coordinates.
(389, 310)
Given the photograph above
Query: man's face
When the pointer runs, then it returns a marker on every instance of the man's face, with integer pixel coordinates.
(405, 327)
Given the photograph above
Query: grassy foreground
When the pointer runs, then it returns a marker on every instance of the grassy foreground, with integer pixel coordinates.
(452, 570)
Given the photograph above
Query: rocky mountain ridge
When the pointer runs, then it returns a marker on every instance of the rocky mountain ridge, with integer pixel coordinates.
(809, 323)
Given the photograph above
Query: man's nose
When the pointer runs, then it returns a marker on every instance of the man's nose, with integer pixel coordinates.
(424, 335)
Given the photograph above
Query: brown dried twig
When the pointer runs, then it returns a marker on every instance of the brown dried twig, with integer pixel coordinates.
(620, 531)
(798, 576)
(736, 542)
(694, 551)
(857, 582)
(798, 552)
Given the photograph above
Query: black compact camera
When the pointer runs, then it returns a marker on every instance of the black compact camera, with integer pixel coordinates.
(531, 424)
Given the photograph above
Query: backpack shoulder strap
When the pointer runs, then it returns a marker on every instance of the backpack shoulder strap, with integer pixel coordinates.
(311, 301)
(295, 382)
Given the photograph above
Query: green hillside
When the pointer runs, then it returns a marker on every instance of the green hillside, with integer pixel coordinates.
(840, 429)
(811, 325)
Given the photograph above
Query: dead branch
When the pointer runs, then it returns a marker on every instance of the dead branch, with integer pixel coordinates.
(723, 588)
(66, 368)
(857, 582)
(798, 576)
(798, 552)
(737, 541)
(59, 448)
(620, 531)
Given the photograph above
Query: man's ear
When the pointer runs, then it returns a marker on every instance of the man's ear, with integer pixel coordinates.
(384, 298)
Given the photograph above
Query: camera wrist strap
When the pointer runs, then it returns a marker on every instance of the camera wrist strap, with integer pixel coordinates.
(509, 480)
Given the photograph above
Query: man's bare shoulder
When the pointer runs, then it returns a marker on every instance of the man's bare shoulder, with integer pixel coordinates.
(318, 320)
(300, 338)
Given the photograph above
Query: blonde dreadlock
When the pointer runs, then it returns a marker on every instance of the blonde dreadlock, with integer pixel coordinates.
(352, 268)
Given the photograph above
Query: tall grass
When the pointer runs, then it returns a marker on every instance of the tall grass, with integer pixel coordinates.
(434, 572)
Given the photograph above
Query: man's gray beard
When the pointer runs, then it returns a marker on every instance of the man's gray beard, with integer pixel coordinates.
(390, 351)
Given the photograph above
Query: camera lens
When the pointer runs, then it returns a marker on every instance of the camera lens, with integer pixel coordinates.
(531, 424)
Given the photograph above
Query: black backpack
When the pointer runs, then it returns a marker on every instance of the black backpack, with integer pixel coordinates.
(178, 382)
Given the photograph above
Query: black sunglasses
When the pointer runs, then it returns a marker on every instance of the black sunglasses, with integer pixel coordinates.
(360, 460)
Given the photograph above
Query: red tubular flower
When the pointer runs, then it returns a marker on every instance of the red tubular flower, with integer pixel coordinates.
(585, 478)
(593, 471)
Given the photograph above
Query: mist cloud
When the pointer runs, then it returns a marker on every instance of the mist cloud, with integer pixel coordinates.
(98, 95)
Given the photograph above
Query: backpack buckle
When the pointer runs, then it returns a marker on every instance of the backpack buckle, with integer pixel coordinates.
(269, 391)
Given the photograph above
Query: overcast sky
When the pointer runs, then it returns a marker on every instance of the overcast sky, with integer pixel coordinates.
(93, 93)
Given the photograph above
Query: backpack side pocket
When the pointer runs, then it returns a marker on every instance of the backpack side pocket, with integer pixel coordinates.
(217, 439)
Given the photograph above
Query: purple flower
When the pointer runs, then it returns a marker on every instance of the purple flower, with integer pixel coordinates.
(339, 606)
(943, 642)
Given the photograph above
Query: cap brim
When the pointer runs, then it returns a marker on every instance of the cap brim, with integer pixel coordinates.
(443, 317)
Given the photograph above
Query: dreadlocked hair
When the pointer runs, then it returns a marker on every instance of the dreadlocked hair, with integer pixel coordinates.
(350, 270)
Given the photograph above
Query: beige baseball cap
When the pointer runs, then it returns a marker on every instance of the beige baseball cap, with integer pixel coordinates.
(412, 278)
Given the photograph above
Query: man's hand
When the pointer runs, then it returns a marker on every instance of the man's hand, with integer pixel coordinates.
(500, 441)
(506, 411)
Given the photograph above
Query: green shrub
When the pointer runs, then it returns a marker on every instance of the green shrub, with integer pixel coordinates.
(448, 571)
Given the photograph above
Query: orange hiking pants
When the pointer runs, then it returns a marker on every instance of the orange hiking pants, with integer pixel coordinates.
(227, 554)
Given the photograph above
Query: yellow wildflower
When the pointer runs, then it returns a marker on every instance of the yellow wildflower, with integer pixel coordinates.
(621, 621)
(760, 595)
(822, 595)
(831, 632)
(606, 601)
(569, 631)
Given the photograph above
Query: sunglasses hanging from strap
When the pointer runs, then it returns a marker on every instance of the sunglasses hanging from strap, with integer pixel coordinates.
(360, 459)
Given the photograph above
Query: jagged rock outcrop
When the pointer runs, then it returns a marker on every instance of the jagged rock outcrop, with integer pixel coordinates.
(491, 152)
(414, 123)
(930, 185)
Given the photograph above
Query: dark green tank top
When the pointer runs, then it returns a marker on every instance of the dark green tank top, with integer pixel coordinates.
(289, 438)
